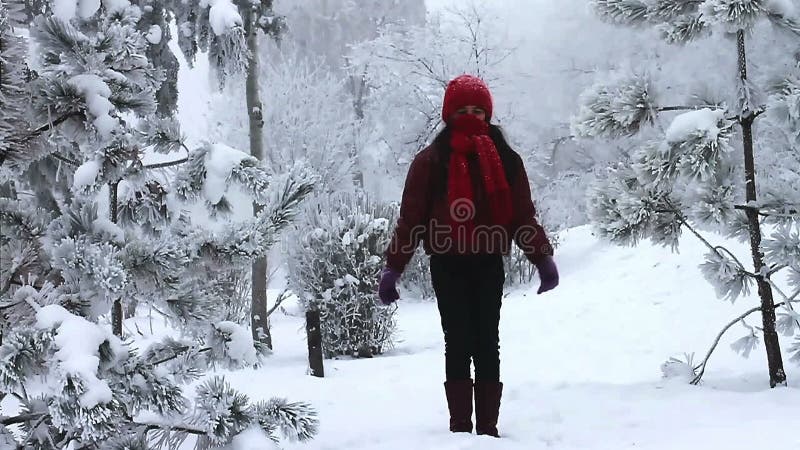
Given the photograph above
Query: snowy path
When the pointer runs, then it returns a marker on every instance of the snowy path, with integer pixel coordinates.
(581, 367)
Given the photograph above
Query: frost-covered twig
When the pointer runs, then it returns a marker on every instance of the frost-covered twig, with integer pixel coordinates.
(703, 364)
(281, 297)
(178, 352)
(684, 108)
(52, 124)
(167, 164)
(10, 305)
(718, 249)
(179, 428)
(789, 214)
(788, 299)
(177, 162)
(33, 430)
(776, 269)
(22, 418)
(65, 160)
(38, 131)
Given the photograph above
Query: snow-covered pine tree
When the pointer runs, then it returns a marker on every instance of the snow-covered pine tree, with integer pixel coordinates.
(88, 225)
(229, 31)
(691, 174)
(154, 23)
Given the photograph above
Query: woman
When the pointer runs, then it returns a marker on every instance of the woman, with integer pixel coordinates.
(466, 197)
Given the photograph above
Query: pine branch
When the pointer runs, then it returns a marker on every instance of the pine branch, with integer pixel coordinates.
(170, 163)
(65, 159)
(785, 23)
(685, 108)
(180, 428)
(180, 350)
(50, 125)
(281, 297)
(9, 305)
(776, 269)
(38, 131)
(22, 418)
(703, 364)
(33, 430)
(167, 164)
(792, 213)
(715, 248)
(786, 298)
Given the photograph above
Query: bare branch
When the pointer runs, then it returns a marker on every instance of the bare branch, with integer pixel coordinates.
(50, 125)
(167, 164)
(702, 365)
(792, 213)
(281, 297)
(718, 249)
(179, 352)
(685, 108)
(31, 134)
(22, 418)
(65, 159)
(776, 269)
(33, 430)
(180, 428)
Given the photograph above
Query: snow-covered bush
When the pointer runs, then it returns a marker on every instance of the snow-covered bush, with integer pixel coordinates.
(334, 261)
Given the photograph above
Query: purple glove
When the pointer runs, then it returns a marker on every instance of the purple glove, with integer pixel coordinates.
(548, 274)
(387, 288)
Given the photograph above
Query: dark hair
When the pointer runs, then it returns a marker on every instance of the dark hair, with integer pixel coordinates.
(442, 145)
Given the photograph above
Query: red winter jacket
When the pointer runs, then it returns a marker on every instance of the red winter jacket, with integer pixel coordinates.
(425, 214)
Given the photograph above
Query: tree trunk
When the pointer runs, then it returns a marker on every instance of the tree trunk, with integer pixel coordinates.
(116, 309)
(314, 337)
(259, 321)
(776, 374)
(358, 88)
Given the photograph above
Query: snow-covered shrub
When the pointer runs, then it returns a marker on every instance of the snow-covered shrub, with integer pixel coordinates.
(517, 267)
(334, 263)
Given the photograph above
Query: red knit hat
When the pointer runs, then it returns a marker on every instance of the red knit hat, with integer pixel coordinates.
(466, 90)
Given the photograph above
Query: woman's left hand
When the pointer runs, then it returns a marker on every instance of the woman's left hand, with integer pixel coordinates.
(548, 274)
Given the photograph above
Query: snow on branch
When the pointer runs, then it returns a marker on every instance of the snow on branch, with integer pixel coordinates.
(207, 173)
(733, 15)
(618, 109)
(629, 12)
(79, 344)
(222, 15)
(701, 139)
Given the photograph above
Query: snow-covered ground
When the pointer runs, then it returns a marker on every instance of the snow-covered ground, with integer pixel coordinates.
(581, 367)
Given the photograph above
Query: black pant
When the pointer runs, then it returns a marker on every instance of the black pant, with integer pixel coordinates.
(469, 291)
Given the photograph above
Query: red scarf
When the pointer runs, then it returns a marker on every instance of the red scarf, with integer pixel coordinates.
(471, 135)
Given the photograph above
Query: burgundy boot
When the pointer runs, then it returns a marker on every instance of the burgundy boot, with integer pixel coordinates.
(459, 402)
(487, 406)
